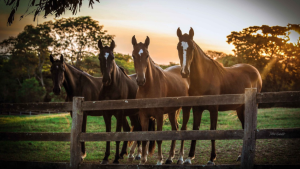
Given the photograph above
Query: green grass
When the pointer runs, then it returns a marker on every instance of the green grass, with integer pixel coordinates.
(268, 151)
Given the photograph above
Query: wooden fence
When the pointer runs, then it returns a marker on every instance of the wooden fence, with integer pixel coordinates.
(249, 134)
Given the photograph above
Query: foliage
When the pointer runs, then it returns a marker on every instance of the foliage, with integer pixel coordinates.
(31, 91)
(269, 50)
(57, 7)
(78, 37)
(27, 55)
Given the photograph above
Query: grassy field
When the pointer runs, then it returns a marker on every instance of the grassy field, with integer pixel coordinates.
(277, 151)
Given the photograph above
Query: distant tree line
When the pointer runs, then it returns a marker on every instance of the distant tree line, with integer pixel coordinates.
(25, 65)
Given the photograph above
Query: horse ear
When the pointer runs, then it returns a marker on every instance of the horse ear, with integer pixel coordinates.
(61, 58)
(100, 44)
(179, 33)
(133, 41)
(112, 45)
(147, 41)
(191, 33)
(51, 58)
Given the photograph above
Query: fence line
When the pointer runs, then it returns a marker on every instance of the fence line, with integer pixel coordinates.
(249, 134)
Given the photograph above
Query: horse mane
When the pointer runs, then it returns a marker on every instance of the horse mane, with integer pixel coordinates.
(156, 66)
(78, 69)
(218, 65)
(123, 70)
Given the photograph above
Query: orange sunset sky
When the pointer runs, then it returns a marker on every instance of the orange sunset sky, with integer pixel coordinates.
(212, 21)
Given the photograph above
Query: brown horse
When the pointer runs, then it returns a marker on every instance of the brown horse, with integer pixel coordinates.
(208, 77)
(78, 83)
(155, 83)
(118, 85)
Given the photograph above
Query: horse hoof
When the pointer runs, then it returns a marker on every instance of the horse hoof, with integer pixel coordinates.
(168, 161)
(104, 162)
(187, 161)
(239, 158)
(159, 163)
(121, 157)
(210, 163)
(137, 158)
(116, 162)
(179, 162)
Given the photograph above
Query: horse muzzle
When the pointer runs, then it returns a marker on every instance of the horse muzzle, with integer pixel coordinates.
(185, 74)
(56, 90)
(106, 82)
(141, 81)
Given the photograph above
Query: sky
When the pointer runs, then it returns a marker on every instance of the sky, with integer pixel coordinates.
(212, 21)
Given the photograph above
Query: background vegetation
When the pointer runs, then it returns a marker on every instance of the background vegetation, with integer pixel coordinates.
(25, 66)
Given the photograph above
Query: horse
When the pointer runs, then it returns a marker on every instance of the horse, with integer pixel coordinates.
(118, 85)
(209, 77)
(78, 83)
(155, 83)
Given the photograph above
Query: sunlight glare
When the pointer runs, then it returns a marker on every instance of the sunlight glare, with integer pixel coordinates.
(294, 37)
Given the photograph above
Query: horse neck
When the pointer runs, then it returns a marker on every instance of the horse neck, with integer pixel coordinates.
(72, 80)
(200, 64)
(151, 74)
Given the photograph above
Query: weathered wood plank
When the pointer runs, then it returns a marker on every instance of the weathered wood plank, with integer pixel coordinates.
(7, 136)
(278, 133)
(278, 97)
(64, 165)
(249, 142)
(163, 135)
(75, 145)
(45, 106)
(31, 165)
(97, 166)
(164, 102)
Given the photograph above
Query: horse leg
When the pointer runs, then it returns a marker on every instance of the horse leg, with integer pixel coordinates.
(240, 112)
(136, 127)
(159, 122)
(83, 153)
(213, 126)
(197, 115)
(145, 124)
(173, 121)
(119, 117)
(185, 117)
(107, 120)
(126, 128)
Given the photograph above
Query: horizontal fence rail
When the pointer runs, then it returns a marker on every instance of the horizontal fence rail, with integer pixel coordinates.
(250, 133)
(154, 135)
(268, 97)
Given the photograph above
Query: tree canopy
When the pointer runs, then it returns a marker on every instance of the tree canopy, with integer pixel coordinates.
(52, 7)
(268, 49)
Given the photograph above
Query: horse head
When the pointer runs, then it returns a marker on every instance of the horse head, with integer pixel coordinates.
(106, 58)
(140, 56)
(57, 73)
(185, 49)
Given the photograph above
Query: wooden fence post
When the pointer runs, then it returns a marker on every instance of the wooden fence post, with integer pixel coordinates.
(250, 116)
(75, 146)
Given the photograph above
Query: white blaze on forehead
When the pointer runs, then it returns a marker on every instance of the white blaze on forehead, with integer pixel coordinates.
(184, 45)
(56, 67)
(106, 55)
(140, 52)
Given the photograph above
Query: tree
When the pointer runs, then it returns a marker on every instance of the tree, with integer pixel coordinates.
(268, 49)
(78, 37)
(31, 91)
(56, 7)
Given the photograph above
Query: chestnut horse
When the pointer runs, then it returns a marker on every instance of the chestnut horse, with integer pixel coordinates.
(78, 83)
(209, 77)
(155, 83)
(118, 85)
